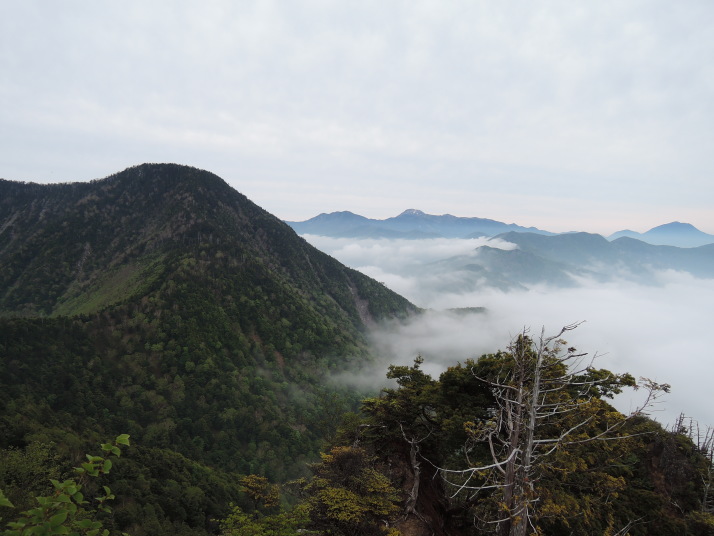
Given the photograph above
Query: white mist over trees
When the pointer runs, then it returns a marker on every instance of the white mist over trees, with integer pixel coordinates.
(660, 331)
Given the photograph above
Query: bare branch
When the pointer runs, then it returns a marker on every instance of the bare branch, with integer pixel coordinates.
(540, 385)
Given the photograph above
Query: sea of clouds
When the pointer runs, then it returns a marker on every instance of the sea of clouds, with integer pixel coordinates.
(662, 332)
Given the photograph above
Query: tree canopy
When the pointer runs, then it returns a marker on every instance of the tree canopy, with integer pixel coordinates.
(524, 441)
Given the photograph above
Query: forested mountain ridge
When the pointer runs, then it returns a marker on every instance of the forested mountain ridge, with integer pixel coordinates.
(75, 248)
(161, 303)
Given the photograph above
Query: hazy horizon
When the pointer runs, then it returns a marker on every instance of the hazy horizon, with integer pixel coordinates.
(563, 226)
(522, 224)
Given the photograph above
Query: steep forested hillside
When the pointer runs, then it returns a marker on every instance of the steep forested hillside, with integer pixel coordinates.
(161, 303)
(75, 248)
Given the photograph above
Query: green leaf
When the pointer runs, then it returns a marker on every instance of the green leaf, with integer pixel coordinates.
(107, 466)
(123, 439)
(90, 469)
(4, 501)
(57, 519)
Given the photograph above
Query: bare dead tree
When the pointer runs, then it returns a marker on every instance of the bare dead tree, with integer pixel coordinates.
(703, 438)
(414, 460)
(547, 398)
(625, 531)
(705, 442)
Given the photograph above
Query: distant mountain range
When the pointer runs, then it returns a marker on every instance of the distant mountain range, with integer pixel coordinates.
(560, 261)
(411, 223)
(414, 224)
(540, 258)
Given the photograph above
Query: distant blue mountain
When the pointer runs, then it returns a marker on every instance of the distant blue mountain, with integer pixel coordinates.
(540, 258)
(411, 223)
(563, 260)
(624, 255)
(678, 234)
(415, 224)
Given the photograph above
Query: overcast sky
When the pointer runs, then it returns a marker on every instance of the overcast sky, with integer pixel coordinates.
(592, 116)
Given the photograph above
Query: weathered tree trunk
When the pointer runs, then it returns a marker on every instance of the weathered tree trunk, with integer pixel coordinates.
(526, 491)
(410, 507)
(514, 416)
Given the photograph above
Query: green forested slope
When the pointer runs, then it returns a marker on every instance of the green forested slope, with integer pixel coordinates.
(75, 248)
(161, 303)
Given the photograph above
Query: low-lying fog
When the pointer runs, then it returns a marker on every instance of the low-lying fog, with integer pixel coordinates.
(661, 332)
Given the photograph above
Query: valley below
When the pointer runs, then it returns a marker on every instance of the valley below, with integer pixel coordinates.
(653, 323)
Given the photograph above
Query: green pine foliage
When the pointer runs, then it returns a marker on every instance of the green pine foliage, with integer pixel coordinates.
(643, 480)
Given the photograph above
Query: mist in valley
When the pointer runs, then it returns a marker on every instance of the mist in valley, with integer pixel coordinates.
(659, 329)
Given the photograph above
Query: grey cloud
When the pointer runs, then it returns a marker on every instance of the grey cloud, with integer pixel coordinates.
(458, 106)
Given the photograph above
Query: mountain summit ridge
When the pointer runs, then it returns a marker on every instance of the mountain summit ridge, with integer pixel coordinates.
(131, 220)
(414, 223)
(411, 223)
(162, 303)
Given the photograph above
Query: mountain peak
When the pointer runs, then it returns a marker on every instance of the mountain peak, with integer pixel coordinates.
(673, 234)
(117, 234)
(674, 226)
(412, 212)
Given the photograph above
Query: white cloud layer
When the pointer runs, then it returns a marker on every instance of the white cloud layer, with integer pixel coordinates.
(661, 332)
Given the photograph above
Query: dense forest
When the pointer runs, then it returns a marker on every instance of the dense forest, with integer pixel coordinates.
(163, 304)
(177, 344)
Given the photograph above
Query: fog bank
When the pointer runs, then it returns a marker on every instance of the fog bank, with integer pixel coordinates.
(660, 332)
